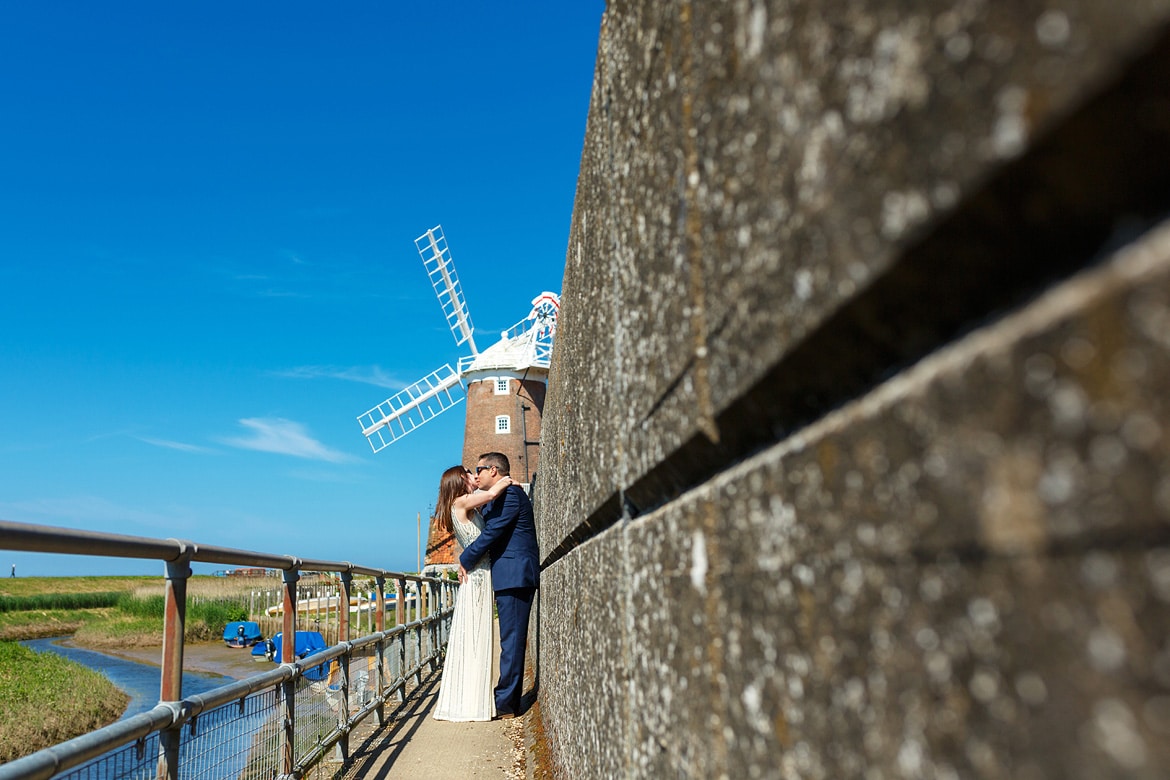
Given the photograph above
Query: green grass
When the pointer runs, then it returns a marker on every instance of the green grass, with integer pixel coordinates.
(138, 622)
(45, 606)
(36, 586)
(52, 601)
(46, 699)
(38, 624)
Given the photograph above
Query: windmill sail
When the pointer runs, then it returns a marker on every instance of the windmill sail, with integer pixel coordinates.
(436, 257)
(526, 345)
(400, 414)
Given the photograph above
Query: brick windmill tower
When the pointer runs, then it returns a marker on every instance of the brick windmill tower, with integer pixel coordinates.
(504, 386)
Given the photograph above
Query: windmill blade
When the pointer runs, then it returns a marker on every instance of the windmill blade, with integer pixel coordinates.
(402, 413)
(436, 257)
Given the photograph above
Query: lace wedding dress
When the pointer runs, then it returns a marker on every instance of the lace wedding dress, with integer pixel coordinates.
(465, 692)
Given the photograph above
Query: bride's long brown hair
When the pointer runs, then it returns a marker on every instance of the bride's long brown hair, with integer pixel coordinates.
(451, 486)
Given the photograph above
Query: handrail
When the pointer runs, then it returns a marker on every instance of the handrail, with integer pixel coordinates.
(174, 711)
(28, 537)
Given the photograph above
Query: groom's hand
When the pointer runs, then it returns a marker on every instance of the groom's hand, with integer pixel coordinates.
(462, 574)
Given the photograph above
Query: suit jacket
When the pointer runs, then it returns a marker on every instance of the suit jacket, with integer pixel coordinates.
(509, 535)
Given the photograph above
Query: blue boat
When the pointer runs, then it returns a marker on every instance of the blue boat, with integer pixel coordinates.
(242, 633)
(307, 643)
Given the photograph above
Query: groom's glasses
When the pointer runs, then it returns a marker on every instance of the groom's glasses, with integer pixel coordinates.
(481, 468)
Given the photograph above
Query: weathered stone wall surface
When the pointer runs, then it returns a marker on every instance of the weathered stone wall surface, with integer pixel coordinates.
(856, 453)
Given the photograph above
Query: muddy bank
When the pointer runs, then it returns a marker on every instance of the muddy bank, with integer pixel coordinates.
(205, 657)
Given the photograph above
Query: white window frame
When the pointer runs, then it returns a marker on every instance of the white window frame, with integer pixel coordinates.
(501, 380)
(503, 423)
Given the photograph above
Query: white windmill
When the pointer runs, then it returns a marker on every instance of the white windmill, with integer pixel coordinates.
(505, 383)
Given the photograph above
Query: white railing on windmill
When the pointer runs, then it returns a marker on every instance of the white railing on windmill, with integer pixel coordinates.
(527, 344)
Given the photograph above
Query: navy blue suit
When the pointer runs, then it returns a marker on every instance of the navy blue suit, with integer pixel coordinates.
(509, 535)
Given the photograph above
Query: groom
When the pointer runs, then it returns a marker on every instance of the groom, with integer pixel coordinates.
(509, 535)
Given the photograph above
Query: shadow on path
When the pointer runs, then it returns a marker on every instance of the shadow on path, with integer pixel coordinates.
(374, 758)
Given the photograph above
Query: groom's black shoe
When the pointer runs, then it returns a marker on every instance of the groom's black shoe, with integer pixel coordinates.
(504, 716)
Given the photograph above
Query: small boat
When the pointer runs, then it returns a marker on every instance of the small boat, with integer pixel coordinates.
(307, 643)
(264, 651)
(242, 633)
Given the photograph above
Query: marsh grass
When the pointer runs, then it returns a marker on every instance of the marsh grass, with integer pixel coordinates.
(35, 586)
(48, 606)
(105, 612)
(46, 699)
(138, 622)
(59, 601)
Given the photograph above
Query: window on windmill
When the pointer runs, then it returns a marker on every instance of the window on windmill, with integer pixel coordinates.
(503, 424)
(501, 386)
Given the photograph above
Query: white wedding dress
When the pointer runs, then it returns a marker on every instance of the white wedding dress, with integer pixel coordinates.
(465, 692)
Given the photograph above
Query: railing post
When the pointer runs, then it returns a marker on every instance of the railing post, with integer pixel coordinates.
(288, 649)
(341, 750)
(419, 613)
(448, 603)
(433, 628)
(400, 616)
(380, 649)
(171, 686)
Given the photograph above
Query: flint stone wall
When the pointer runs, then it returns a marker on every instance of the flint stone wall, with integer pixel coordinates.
(856, 451)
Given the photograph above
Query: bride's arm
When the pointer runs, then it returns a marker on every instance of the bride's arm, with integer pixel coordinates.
(481, 497)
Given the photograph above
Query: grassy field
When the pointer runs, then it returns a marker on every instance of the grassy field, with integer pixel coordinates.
(21, 624)
(113, 626)
(35, 586)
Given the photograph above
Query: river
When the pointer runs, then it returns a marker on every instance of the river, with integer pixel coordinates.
(141, 682)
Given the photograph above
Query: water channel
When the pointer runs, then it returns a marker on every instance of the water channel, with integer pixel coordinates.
(140, 681)
(224, 753)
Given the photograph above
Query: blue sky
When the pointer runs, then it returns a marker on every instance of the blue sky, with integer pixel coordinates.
(207, 260)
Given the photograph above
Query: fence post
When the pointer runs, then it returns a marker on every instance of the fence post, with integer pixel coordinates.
(288, 649)
(433, 593)
(341, 750)
(171, 687)
(400, 616)
(420, 613)
(380, 649)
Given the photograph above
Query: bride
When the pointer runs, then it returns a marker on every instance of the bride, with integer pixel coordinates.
(465, 692)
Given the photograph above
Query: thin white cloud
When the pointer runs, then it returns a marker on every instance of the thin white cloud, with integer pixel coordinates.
(369, 375)
(173, 445)
(284, 437)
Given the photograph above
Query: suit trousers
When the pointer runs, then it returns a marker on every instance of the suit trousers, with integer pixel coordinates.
(513, 606)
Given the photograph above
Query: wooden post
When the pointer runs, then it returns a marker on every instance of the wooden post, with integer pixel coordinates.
(400, 616)
(342, 748)
(171, 687)
(380, 649)
(288, 646)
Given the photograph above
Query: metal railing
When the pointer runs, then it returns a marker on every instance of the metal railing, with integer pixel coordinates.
(274, 725)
